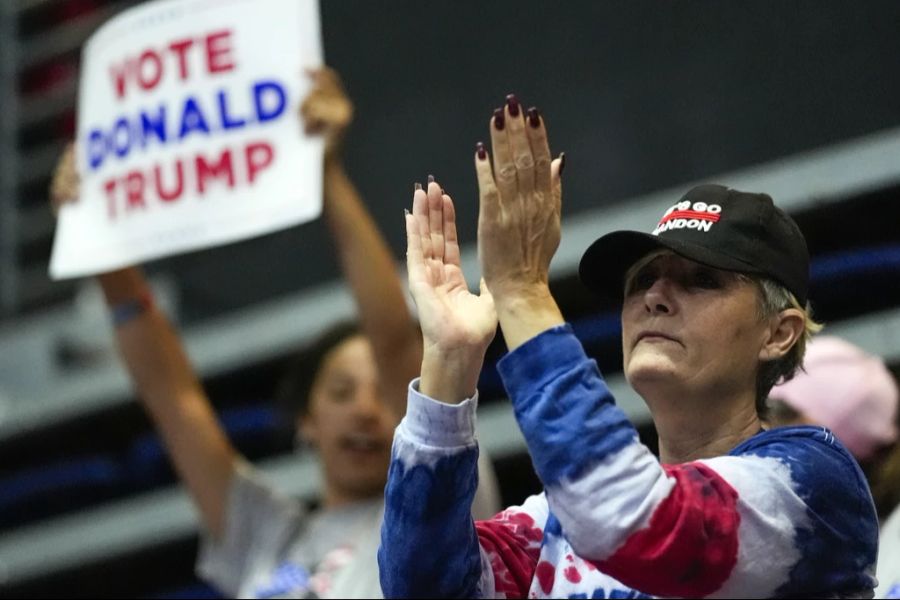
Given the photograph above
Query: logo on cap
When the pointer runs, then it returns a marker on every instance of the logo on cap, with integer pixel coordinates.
(684, 215)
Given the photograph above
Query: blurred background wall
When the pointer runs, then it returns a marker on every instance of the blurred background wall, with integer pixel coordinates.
(800, 99)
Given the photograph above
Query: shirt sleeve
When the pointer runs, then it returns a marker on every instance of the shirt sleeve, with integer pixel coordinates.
(259, 523)
(430, 545)
(730, 526)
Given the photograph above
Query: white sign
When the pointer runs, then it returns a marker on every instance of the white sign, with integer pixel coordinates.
(188, 131)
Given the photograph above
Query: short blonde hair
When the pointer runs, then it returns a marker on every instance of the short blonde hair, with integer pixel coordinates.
(775, 298)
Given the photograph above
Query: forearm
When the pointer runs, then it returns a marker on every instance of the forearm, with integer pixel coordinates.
(429, 547)
(172, 395)
(451, 375)
(584, 449)
(562, 404)
(150, 348)
(370, 269)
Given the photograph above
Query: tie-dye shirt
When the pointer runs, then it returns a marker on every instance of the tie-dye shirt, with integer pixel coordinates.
(786, 513)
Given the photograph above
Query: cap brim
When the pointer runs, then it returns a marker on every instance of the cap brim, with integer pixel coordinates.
(605, 262)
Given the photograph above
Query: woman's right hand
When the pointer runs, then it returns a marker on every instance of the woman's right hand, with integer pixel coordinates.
(457, 326)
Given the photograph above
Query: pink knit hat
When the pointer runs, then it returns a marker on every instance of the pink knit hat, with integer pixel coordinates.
(847, 390)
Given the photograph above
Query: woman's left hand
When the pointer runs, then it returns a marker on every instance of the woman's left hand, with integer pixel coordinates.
(519, 219)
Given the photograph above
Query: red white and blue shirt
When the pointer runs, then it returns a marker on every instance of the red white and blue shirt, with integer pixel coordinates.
(786, 513)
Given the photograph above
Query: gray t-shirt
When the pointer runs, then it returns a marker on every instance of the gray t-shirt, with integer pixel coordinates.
(888, 570)
(275, 547)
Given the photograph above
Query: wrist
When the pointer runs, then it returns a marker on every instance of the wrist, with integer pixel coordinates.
(450, 375)
(125, 311)
(525, 303)
(122, 285)
(335, 179)
(333, 159)
(526, 312)
(519, 296)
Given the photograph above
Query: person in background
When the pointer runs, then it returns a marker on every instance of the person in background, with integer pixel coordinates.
(714, 312)
(844, 388)
(852, 393)
(886, 489)
(348, 394)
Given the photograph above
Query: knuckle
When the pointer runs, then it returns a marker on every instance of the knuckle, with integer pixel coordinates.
(507, 173)
(524, 162)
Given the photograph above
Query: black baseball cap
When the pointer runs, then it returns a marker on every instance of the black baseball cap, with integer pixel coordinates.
(715, 226)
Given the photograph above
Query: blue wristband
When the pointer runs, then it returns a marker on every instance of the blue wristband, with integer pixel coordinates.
(126, 311)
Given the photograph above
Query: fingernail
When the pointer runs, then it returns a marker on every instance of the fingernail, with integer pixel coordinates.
(430, 179)
(406, 212)
(443, 193)
(513, 103)
(562, 162)
(534, 117)
(479, 149)
(499, 119)
(417, 187)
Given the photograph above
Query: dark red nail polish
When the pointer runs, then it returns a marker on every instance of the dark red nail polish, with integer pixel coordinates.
(513, 103)
(499, 119)
(534, 117)
(479, 149)
(562, 162)
(430, 179)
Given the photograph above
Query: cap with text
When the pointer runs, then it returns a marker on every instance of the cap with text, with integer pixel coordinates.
(715, 226)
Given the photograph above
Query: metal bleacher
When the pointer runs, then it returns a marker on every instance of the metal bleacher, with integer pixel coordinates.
(38, 64)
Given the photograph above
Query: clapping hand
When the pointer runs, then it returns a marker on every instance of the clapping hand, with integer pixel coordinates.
(519, 220)
(457, 325)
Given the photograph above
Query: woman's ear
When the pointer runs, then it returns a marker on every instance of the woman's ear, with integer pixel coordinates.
(784, 331)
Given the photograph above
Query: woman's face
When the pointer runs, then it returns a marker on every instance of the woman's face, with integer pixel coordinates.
(348, 423)
(692, 330)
